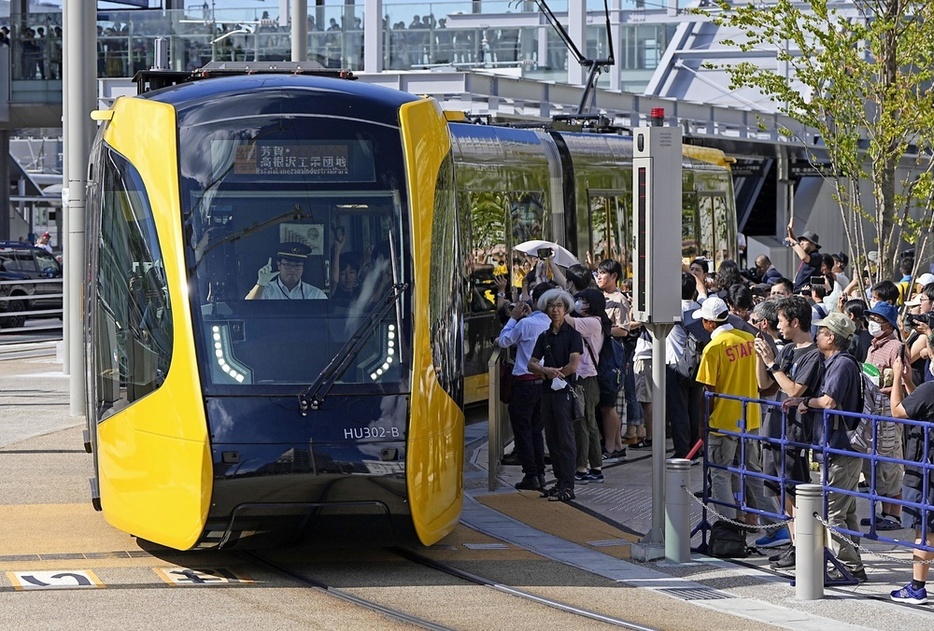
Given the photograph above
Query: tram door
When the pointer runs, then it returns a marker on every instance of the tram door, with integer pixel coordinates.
(497, 222)
(610, 228)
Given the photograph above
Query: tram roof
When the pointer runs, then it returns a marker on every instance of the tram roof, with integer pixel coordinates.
(343, 96)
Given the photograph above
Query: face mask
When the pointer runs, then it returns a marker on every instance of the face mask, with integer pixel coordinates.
(578, 306)
(873, 303)
(875, 329)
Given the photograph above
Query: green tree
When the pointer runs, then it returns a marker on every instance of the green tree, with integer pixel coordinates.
(858, 76)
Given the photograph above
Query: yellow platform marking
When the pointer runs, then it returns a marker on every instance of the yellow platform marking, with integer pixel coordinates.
(51, 528)
(56, 579)
(559, 519)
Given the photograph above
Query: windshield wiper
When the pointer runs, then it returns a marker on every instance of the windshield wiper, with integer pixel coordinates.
(338, 364)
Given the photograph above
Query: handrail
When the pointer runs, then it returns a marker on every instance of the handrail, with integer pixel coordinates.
(499, 432)
(870, 495)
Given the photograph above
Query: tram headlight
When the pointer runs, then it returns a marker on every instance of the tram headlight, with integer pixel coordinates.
(224, 359)
(388, 353)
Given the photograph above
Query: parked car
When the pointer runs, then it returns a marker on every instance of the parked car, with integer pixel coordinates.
(22, 263)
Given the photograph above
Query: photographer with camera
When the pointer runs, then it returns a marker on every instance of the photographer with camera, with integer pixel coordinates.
(806, 247)
(918, 325)
(767, 272)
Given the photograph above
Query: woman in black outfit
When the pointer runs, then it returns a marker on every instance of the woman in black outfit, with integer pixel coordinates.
(555, 357)
(862, 339)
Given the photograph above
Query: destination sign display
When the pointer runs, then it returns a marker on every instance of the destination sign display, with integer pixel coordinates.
(321, 161)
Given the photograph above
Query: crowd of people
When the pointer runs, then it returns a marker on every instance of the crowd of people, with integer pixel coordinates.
(804, 344)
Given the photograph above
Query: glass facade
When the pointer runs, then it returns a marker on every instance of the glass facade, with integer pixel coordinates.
(416, 36)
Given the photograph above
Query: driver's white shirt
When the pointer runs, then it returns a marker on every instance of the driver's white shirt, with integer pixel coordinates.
(276, 290)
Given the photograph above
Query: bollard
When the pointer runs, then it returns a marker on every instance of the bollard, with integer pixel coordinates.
(677, 510)
(809, 544)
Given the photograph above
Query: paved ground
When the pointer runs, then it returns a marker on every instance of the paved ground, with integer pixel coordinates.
(748, 587)
(595, 534)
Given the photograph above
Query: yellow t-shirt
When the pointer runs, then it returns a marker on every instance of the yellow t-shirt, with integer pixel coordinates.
(728, 365)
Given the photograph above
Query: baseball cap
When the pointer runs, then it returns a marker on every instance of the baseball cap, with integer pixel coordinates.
(925, 279)
(713, 309)
(46, 234)
(839, 323)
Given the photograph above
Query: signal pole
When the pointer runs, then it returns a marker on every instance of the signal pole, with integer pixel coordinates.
(656, 215)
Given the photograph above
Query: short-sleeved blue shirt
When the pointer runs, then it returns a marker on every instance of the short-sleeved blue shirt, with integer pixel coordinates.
(843, 383)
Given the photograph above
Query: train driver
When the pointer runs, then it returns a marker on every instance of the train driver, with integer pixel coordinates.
(285, 284)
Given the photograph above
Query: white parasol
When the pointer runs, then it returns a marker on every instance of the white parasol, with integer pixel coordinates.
(562, 256)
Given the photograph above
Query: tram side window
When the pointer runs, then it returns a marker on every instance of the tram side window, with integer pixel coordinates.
(133, 310)
(610, 226)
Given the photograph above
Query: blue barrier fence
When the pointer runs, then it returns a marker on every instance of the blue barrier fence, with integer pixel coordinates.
(823, 454)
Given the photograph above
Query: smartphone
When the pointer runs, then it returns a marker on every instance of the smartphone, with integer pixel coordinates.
(544, 253)
(818, 280)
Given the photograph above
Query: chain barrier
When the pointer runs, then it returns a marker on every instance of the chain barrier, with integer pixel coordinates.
(771, 527)
(750, 527)
(887, 557)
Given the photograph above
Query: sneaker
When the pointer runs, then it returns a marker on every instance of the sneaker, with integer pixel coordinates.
(581, 478)
(511, 460)
(833, 574)
(887, 523)
(785, 560)
(780, 537)
(777, 556)
(529, 483)
(910, 595)
(595, 475)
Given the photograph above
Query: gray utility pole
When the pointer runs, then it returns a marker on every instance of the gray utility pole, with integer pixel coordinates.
(80, 65)
(299, 30)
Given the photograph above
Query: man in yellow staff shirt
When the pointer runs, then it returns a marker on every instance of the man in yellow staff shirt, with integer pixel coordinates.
(728, 366)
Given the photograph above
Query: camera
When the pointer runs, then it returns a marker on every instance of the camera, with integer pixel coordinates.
(753, 275)
(912, 320)
(544, 253)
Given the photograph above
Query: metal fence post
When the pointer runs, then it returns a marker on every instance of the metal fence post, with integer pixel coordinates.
(677, 510)
(809, 546)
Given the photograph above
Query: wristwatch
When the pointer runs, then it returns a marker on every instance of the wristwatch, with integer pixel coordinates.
(775, 367)
(501, 295)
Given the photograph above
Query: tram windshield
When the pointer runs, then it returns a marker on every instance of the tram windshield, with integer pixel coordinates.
(295, 246)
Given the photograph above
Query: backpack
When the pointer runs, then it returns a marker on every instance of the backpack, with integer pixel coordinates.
(687, 364)
(727, 541)
(611, 365)
(874, 404)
